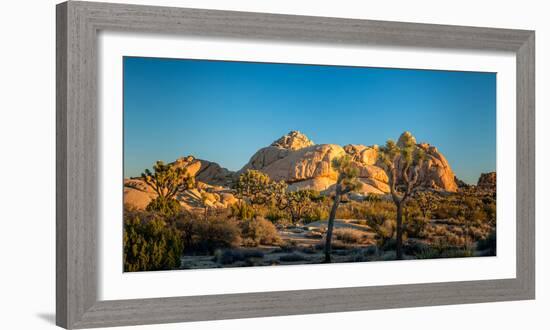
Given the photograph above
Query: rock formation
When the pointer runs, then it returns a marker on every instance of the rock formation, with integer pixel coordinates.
(487, 181)
(302, 164)
(205, 171)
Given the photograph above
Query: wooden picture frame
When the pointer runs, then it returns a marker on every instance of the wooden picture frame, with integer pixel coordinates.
(78, 24)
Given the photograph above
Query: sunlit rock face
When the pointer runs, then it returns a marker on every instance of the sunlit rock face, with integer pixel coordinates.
(295, 159)
(304, 165)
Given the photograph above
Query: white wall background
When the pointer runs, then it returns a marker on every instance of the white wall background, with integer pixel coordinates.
(27, 162)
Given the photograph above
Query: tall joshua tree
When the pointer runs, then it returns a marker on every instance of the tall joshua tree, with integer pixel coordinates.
(347, 182)
(166, 180)
(295, 202)
(402, 163)
(255, 186)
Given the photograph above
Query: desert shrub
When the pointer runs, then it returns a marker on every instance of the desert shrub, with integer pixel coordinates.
(219, 233)
(150, 245)
(373, 198)
(167, 207)
(316, 213)
(335, 245)
(208, 235)
(414, 247)
(428, 253)
(382, 223)
(259, 231)
(242, 211)
(389, 244)
(446, 210)
(490, 209)
(440, 230)
(348, 236)
(226, 257)
(275, 215)
(292, 257)
(416, 226)
(490, 243)
(346, 211)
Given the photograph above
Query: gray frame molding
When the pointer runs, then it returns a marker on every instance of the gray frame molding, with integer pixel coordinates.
(77, 152)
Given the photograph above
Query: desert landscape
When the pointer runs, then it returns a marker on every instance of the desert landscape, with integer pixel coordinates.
(297, 202)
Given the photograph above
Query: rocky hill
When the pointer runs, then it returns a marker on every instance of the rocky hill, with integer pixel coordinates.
(487, 181)
(303, 164)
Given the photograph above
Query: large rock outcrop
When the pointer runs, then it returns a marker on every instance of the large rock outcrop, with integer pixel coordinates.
(304, 165)
(137, 195)
(212, 182)
(205, 171)
(436, 170)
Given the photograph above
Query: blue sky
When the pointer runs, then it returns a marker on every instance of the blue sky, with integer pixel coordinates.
(225, 111)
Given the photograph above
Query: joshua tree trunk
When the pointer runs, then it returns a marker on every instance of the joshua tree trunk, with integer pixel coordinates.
(328, 240)
(399, 229)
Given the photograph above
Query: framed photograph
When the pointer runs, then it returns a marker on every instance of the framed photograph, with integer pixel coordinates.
(217, 164)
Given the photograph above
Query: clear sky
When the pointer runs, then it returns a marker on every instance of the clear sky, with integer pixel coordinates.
(225, 111)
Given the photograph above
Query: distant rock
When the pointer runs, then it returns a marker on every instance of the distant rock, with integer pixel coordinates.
(487, 181)
(205, 171)
(436, 171)
(293, 141)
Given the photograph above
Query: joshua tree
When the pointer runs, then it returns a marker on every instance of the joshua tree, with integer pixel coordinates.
(255, 186)
(166, 180)
(402, 163)
(347, 182)
(295, 202)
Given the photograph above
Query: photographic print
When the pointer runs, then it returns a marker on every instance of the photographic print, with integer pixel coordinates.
(233, 164)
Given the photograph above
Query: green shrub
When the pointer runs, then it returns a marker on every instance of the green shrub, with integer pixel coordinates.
(416, 227)
(275, 215)
(242, 211)
(389, 244)
(167, 207)
(149, 244)
(316, 213)
(383, 225)
(349, 236)
(208, 235)
(428, 253)
(259, 231)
